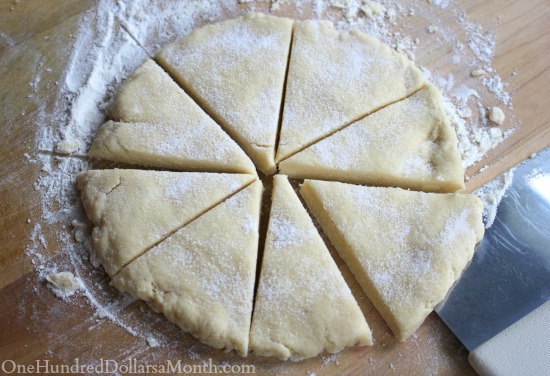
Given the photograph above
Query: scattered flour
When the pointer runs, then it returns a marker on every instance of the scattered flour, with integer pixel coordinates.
(332, 358)
(491, 194)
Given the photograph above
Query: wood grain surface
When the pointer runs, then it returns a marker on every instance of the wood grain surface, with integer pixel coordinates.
(36, 325)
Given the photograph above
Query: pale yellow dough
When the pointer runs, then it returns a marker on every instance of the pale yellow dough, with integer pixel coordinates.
(335, 78)
(409, 144)
(163, 127)
(202, 277)
(170, 146)
(303, 305)
(405, 248)
(236, 70)
(132, 210)
(354, 110)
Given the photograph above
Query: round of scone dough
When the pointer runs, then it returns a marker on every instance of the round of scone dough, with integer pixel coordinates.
(257, 94)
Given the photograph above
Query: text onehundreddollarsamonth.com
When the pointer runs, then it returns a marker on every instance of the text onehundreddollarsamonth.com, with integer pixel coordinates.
(131, 366)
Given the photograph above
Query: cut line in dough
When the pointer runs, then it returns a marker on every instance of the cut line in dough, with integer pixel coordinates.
(161, 126)
(336, 78)
(236, 70)
(132, 210)
(408, 144)
(202, 277)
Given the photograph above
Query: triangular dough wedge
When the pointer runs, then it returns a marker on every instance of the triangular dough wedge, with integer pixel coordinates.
(236, 70)
(405, 248)
(202, 277)
(303, 305)
(170, 130)
(335, 78)
(409, 144)
(171, 146)
(132, 210)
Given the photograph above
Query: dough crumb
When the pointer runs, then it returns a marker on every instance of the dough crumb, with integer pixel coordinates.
(432, 29)
(391, 15)
(67, 146)
(492, 193)
(102, 313)
(478, 73)
(276, 5)
(496, 115)
(63, 283)
(372, 8)
(81, 230)
(152, 342)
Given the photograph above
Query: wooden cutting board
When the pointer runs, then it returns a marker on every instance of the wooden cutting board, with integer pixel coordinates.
(35, 325)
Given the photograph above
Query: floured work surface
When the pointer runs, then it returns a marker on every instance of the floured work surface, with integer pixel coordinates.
(433, 348)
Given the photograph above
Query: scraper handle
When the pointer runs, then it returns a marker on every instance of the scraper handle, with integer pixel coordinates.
(521, 349)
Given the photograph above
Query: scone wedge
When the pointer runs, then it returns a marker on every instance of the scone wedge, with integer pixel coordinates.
(408, 144)
(202, 277)
(132, 210)
(159, 125)
(405, 248)
(335, 78)
(236, 70)
(303, 305)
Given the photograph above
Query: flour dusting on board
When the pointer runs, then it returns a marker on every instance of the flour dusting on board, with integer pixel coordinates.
(114, 38)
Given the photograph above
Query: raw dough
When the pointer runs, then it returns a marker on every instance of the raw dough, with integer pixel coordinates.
(236, 70)
(133, 210)
(409, 144)
(303, 305)
(405, 248)
(64, 281)
(335, 78)
(496, 115)
(197, 148)
(202, 277)
(187, 242)
(172, 131)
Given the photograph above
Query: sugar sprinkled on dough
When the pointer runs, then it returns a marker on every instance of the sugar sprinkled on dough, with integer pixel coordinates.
(351, 144)
(213, 264)
(189, 186)
(285, 234)
(179, 142)
(238, 46)
(455, 227)
(412, 253)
